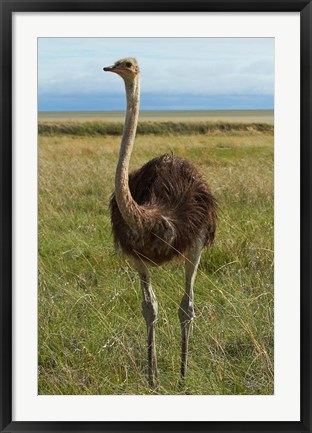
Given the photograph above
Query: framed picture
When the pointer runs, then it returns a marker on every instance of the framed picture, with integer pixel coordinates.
(155, 216)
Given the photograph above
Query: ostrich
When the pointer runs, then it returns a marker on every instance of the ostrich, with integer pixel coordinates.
(159, 212)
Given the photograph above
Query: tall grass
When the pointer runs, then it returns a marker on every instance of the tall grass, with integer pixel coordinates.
(147, 127)
(92, 337)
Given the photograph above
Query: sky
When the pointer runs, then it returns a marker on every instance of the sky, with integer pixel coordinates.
(176, 73)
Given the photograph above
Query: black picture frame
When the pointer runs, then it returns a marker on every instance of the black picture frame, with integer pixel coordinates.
(8, 7)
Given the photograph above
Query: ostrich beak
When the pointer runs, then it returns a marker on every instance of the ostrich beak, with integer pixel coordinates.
(109, 68)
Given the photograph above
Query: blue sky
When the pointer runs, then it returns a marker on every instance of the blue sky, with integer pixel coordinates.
(176, 73)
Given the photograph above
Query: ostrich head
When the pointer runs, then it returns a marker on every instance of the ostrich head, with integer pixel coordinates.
(127, 68)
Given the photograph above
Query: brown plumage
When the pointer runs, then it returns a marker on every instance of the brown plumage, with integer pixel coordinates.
(173, 188)
(161, 211)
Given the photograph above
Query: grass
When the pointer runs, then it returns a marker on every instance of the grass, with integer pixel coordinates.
(148, 127)
(92, 337)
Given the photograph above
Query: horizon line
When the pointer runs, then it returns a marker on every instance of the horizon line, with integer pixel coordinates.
(142, 110)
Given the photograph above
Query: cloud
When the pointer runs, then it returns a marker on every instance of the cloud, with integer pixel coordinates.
(188, 66)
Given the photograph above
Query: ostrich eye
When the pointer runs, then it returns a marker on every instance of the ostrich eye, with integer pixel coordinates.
(128, 64)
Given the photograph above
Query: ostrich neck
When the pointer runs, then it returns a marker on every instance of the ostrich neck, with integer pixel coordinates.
(128, 207)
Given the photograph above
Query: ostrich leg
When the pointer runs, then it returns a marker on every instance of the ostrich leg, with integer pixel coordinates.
(186, 309)
(149, 311)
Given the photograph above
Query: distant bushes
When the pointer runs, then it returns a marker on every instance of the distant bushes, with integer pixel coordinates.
(148, 127)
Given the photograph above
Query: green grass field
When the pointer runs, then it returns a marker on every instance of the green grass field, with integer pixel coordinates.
(92, 337)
